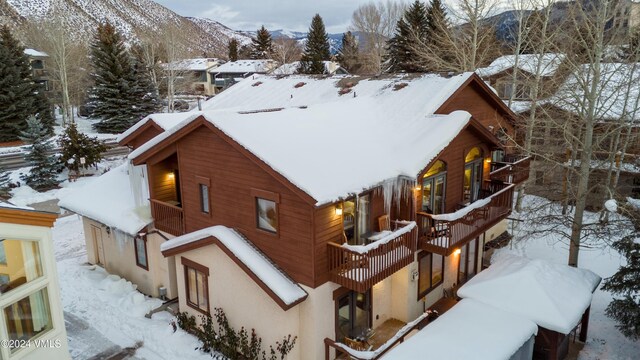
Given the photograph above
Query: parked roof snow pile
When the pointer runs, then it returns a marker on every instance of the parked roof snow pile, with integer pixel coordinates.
(245, 66)
(618, 91)
(36, 53)
(197, 64)
(549, 64)
(334, 149)
(164, 120)
(426, 93)
(281, 285)
(109, 199)
(553, 296)
(469, 330)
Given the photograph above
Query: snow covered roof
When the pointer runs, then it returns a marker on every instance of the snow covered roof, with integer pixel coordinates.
(469, 330)
(287, 290)
(197, 64)
(314, 148)
(109, 200)
(164, 120)
(245, 66)
(526, 62)
(35, 53)
(8, 205)
(553, 296)
(618, 91)
(330, 67)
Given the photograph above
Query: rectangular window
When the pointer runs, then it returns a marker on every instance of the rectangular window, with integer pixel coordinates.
(204, 198)
(430, 272)
(140, 243)
(468, 261)
(196, 285)
(28, 317)
(21, 263)
(266, 210)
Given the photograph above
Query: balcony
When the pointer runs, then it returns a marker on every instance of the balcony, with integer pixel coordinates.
(359, 267)
(442, 234)
(167, 217)
(514, 170)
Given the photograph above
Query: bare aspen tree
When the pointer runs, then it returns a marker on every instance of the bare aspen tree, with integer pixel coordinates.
(286, 50)
(173, 73)
(376, 23)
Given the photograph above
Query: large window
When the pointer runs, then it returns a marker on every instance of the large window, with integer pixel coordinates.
(196, 285)
(468, 261)
(433, 188)
(28, 317)
(353, 314)
(203, 191)
(19, 263)
(140, 243)
(356, 219)
(266, 205)
(472, 175)
(431, 270)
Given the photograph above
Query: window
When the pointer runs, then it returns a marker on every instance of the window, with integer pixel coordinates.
(204, 184)
(430, 271)
(196, 285)
(468, 261)
(140, 243)
(356, 219)
(266, 206)
(19, 262)
(28, 317)
(472, 175)
(433, 188)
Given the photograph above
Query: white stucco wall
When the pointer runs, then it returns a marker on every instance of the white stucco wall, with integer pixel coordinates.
(56, 338)
(120, 259)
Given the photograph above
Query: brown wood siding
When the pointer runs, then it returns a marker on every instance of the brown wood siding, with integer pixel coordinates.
(162, 187)
(328, 227)
(453, 155)
(146, 135)
(472, 100)
(233, 176)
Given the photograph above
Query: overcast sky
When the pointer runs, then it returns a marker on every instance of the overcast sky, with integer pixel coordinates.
(292, 15)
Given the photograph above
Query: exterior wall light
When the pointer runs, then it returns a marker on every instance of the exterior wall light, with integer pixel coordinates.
(339, 210)
(488, 160)
(457, 251)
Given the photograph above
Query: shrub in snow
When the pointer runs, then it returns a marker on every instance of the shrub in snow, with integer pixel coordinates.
(44, 167)
(626, 283)
(4, 184)
(76, 145)
(223, 342)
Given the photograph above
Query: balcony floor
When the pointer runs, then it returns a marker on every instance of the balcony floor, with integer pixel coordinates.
(385, 331)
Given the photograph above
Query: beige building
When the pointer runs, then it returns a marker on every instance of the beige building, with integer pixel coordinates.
(194, 75)
(31, 319)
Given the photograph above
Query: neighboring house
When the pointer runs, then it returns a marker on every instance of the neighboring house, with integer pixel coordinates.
(323, 207)
(194, 74)
(499, 74)
(29, 288)
(37, 60)
(233, 71)
(330, 68)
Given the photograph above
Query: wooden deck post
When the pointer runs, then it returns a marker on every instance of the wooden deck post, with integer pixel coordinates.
(585, 325)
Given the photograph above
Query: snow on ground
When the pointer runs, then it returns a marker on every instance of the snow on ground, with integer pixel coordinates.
(111, 304)
(604, 341)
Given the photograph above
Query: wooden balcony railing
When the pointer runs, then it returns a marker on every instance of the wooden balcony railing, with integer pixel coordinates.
(514, 170)
(442, 234)
(360, 267)
(167, 217)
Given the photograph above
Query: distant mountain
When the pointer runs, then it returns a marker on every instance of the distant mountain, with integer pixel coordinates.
(132, 17)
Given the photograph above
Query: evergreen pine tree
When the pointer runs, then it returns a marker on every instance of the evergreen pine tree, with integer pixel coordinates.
(20, 96)
(121, 94)
(316, 49)
(414, 22)
(76, 145)
(44, 167)
(233, 50)
(4, 183)
(349, 54)
(626, 282)
(261, 45)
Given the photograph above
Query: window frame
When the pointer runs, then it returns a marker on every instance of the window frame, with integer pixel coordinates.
(189, 264)
(146, 252)
(206, 182)
(432, 286)
(269, 196)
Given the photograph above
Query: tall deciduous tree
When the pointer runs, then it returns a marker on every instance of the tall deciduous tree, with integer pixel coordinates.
(317, 48)
(349, 54)
(413, 25)
(262, 45)
(232, 49)
(122, 92)
(20, 97)
(44, 167)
